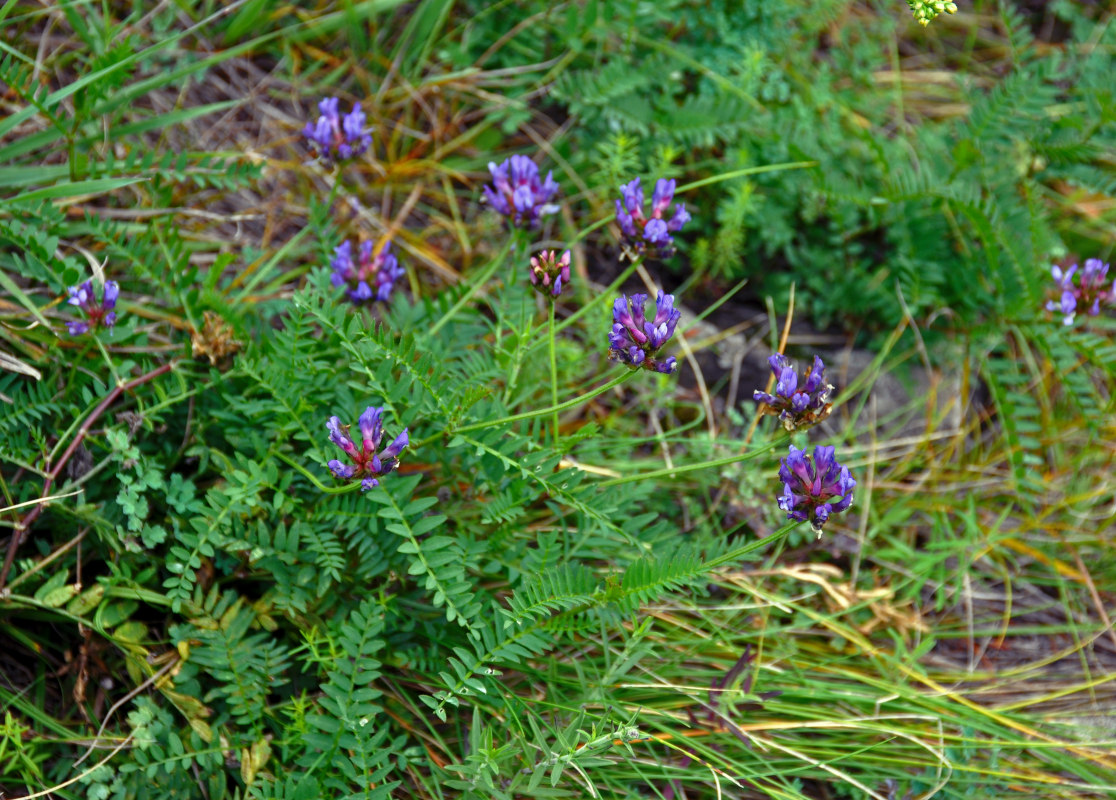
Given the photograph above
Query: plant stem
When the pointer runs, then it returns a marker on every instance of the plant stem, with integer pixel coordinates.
(597, 300)
(756, 544)
(553, 371)
(24, 524)
(476, 426)
(720, 462)
(475, 283)
(312, 478)
(538, 412)
(601, 296)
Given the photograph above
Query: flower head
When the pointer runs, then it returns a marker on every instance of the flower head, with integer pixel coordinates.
(369, 277)
(550, 273)
(366, 464)
(97, 315)
(798, 402)
(926, 10)
(519, 193)
(337, 138)
(814, 490)
(636, 340)
(1091, 292)
(649, 236)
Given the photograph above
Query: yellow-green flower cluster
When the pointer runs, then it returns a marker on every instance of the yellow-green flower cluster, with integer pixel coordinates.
(926, 10)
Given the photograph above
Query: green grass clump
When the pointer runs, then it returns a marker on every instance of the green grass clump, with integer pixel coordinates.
(578, 582)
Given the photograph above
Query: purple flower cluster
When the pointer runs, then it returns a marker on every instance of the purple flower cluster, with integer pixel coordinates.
(635, 340)
(370, 277)
(549, 272)
(799, 403)
(649, 236)
(1091, 292)
(522, 195)
(367, 464)
(97, 315)
(519, 193)
(810, 488)
(338, 138)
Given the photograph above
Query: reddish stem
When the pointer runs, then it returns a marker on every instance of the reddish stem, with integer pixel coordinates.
(24, 525)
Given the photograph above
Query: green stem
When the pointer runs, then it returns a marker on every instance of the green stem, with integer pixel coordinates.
(720, 462)
(598, 298)
(313, 478)
(475, 283)
(553, 372)
(17, 600)
(601, 296)
(539, 412)
(584, 232)
(474, 427)
(756, 544)
(739, 173)
(108, 359)
(717, 304)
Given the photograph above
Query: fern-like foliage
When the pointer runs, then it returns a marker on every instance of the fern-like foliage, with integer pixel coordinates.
(435, 560)
(392, 364)
(560, 589)
(347, 743)
(183, 170)
(1085, 363)
(294, 787)
(218, 525)
(537, 467)
(555, 603)
(30, 234)
(29, 404)
(1021, 413)
(158, 253)
(245, 667)
(162, 761)
(704, 120)
(604, 87)
(617, 157)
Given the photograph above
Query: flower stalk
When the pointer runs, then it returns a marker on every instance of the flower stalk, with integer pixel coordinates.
(553, 370)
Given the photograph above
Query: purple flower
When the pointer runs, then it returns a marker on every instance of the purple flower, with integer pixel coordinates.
(550, 273)
(367, 464)
(337, 138)
(635, 340)
(1091, 292)
(518, 193)
(98, 315)
(368, 278)
(649, 236)
(799, 403)
(813, 491)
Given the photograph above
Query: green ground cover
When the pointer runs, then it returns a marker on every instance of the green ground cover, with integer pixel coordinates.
(578, 581)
